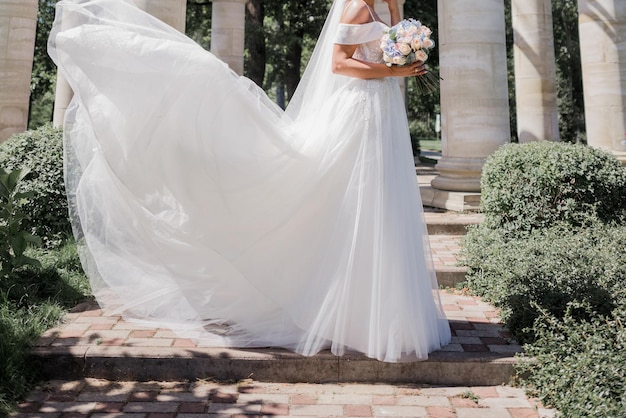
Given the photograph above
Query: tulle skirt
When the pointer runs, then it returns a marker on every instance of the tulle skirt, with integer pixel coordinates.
(200, 206)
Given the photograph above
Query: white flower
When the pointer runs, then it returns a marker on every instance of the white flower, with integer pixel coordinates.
(428, 43)
(399, 60)
(405, 49)
(425, 30)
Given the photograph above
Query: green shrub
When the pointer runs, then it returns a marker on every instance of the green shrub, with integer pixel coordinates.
(540, 184)
(32, 300)
(546, 270)
(41, 151)
(579, 367)
(14, 240)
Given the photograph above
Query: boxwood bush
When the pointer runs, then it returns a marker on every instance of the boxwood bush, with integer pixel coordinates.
(546, 271)
(41, 150)
(579, 365)
(538, 184)
(550, 255)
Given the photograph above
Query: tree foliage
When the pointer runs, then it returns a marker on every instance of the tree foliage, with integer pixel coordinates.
(43, 79)
(281, 34)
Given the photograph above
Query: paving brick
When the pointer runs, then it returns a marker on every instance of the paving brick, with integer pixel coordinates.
(440, 412)
(460, 402)
(221, 397)
(474, 348)
(180, 397)
(400, 411)
(482, 413)
(193, 407)
(233, 409)
(142, 333)
(109, 407)
(505, 403)
(329, 398)
(303, 399)
(64, 407)
(510, 392)
(316, 410)
(485, 391)
(149, 342)
(264, 398)
(383, 400)
(275, 409)
(357, 411)
(424, 401)
(184, 343)
(524, 413)
(143, 396)
(146, 407)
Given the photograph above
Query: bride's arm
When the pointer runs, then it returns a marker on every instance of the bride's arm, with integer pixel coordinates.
(345, 64)
(394, 11)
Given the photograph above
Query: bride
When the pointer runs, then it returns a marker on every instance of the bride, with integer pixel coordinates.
(200, 206)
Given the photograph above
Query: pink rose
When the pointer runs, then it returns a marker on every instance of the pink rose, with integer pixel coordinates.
(420, 55)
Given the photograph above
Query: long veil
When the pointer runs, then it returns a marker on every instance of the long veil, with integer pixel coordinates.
(318, 81)
(200, 206)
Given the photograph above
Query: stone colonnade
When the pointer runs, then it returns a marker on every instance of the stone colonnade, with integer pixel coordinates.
(18, 23)
(535, 70)
(602, 26)
(474, 101)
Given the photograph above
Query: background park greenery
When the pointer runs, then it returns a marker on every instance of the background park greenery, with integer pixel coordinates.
(280, 35)
(549, 253)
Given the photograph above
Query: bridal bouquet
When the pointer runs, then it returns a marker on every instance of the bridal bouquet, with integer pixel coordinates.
(407, 42)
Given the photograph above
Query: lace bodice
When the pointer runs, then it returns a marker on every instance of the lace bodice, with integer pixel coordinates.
(367, 36)
(369, 52)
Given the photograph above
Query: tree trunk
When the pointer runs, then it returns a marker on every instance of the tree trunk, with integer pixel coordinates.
(294, 59)
(255, 39)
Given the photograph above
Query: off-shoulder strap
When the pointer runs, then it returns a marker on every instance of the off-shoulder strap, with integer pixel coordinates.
(371, 12)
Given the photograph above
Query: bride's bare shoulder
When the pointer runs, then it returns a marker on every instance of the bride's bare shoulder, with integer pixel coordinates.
(356, 13)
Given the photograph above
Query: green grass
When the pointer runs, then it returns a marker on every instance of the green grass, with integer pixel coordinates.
(431, 144)
(32, 300)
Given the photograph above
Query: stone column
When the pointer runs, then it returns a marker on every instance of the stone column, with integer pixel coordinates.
(172, 12)
(602, 25)
(535, 71)
(474, 90)
(228, 21)
(18, 25)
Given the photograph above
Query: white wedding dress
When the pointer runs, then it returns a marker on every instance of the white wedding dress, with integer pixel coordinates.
(202, 207)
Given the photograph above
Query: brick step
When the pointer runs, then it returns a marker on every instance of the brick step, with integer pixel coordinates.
(445, 250)
(98, 344)
(450, 223)
(270, 365)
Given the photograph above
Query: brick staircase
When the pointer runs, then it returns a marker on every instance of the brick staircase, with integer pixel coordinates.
(95, 343)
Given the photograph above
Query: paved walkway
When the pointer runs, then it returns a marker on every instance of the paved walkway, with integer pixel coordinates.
(475, 326)
(93, 398)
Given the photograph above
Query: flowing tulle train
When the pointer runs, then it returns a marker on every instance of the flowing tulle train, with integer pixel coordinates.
(202, 207)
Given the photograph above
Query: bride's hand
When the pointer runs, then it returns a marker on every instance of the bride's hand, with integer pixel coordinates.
(411, 70)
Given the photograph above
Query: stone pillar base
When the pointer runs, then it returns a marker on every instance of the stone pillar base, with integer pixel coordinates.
(443, 199)
(459, 174)
(455, 201)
